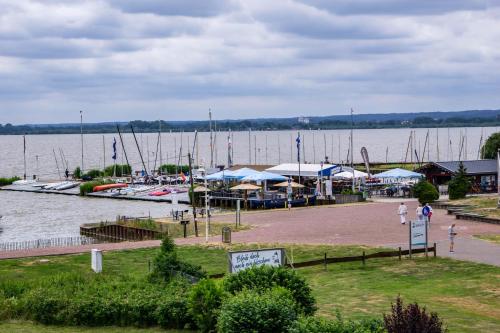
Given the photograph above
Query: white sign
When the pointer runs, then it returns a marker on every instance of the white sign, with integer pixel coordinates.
(418, 233)
(242, 260)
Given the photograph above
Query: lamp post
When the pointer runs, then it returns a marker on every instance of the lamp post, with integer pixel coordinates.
(352, 149)
(206, 207)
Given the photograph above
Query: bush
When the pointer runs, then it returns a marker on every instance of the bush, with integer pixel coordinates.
(88, 187)
(8, 181)
(250, 311)
(171, 168)
(411, 319)
(425, 192)
(205, 300)
(77, 173)
(491, 146)
(321, 325)
(459, 185)
(166, 265)
(93, 174)
(266, 277)
(121, 170)
(72, 299)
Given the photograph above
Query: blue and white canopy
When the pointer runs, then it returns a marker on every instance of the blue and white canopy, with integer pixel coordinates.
(398, 173)
(263, 176)
(231, 175)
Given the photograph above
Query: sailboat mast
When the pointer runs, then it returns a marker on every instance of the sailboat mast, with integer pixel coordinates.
(211, 139)
(24, 155)
(249, 146)
(138, 148)
(81, 136)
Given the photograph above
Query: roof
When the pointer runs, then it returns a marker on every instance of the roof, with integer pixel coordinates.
(475, 167)
(306, 170)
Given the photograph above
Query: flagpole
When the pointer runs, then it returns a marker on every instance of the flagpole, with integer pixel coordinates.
(352, 149)
(298, 152)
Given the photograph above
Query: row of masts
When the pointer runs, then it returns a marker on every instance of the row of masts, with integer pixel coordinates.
(415, 153)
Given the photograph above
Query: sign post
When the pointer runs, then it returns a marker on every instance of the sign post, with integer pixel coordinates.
(418, 234)
(289, 192)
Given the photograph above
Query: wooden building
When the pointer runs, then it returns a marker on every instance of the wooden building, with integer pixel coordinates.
(483, 173)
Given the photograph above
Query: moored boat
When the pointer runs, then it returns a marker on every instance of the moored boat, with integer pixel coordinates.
(105, 187)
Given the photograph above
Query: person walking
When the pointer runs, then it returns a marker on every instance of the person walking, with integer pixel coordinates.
(429, 215)
(420, 214)
(402, 212)
(451, 236)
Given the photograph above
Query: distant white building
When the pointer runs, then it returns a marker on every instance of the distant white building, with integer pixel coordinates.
(304, 120)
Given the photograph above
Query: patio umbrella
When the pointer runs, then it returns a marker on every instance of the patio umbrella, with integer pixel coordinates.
(246, 188)
(293, 184)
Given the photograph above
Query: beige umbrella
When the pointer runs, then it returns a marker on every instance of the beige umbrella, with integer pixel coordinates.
(202, 189)
(246, 188)
(293, 184)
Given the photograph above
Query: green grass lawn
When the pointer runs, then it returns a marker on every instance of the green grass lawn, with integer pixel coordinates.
(489, 237)
(466, 295)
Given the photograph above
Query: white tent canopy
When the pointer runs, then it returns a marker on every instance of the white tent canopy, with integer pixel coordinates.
(292, 169)
(348, 174)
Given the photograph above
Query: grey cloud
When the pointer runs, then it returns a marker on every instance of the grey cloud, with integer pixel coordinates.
(397, 7)
(203, 8)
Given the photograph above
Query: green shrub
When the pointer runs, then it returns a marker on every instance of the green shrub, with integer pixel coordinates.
(8, 181)
(77, 173)
(491, 146)
(205, 300)
(93, 174)
(266, 277)
(166, 265)
(121, 170)
(88, 187)
(412, 319)
(73, 299)
(273, 311)
(321, 325)
(171, 168)
(425, 192)
(459, 185)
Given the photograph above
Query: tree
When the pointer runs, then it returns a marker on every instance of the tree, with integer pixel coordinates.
(490, 148)
(425, 192)
(459, 185)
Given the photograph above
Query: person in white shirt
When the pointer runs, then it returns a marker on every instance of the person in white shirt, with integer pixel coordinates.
(402, 212)
(451, 236)
(420, 215)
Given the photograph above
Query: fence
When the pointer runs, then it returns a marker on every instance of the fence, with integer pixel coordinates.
(118, 233)
(325, 260)
(51, 242)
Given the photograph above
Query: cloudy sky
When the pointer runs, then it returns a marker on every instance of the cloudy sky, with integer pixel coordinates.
(174, 59)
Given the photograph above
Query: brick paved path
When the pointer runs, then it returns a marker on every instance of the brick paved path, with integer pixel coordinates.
(373, 224)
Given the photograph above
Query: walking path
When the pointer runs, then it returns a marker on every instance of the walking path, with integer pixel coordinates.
(372, 224)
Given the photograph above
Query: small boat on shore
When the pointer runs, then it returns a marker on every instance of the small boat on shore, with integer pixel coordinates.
(66, 186)
(105, 187)
(165, 191)
(24, 182)
(52, 186)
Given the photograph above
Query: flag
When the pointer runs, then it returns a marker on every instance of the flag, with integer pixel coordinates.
(114, 149)
(298, 147)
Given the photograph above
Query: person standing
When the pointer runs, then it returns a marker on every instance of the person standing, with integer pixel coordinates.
(402, 212)
(451, 236)
(420, 214)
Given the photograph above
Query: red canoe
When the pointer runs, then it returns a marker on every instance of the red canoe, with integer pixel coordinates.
(108, 187)
(160, 193)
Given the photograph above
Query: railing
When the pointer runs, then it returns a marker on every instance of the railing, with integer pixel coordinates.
(363, 257)
(51, 242)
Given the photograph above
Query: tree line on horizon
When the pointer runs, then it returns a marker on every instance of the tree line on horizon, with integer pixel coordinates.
(326, 123)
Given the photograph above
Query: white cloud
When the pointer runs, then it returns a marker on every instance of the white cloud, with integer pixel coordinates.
(124, 60)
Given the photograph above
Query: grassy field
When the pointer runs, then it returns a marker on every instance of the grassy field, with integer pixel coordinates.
(489, 238)
(466, 295)
(484, 205)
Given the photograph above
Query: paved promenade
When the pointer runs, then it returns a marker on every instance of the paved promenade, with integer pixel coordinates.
(372, 224)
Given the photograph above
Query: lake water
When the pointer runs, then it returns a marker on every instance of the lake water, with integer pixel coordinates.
(263, 147)
(29, 216)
